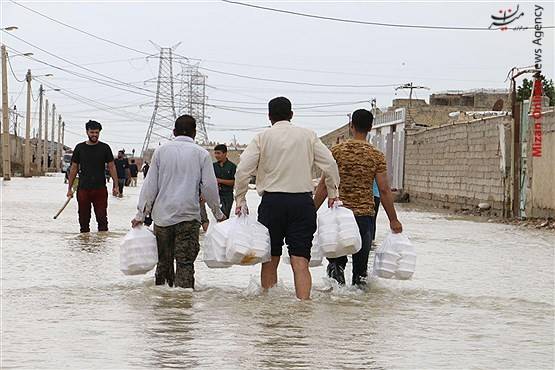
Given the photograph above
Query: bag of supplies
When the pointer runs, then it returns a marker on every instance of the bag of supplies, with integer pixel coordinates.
(395, 258)
(248, 242)
(138, 251)
(338, 233)
(214, 246)
(316, 256)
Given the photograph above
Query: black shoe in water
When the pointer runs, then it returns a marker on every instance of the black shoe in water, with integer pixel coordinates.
(360, 282)
(337, 273)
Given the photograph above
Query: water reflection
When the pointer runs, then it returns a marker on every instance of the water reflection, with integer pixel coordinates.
(482, 297)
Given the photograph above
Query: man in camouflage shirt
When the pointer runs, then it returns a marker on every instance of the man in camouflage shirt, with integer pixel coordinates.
(359, 164)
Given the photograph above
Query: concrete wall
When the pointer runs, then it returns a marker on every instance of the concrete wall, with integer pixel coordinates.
(458, 166)
(336, 136)
(17, 146)
(16, 151)
(541, 195)
(232, 154)
(479, 100)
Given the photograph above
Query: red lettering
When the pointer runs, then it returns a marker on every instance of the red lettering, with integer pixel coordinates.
(537, 144)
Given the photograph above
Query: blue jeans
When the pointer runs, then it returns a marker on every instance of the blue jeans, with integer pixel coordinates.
(366, 227)
(375, 217)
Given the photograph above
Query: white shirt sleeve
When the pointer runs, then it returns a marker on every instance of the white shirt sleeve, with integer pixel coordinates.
(324, 160)
(149, 191)
(245, 170)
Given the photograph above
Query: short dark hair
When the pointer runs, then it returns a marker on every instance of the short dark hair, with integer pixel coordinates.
(220, 148)
(362, 120)
(93, 125)
(279, 109)
(185, 125)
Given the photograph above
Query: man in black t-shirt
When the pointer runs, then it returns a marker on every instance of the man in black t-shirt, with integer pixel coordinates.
(89, 159)
(225, 174)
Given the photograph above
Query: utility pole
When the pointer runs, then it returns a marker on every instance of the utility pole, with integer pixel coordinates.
(27, 151)
(63, 134)
(52, 142)
(45, 153)
(6, 160)
(39, 140)
(411, 87)
(58, 149)
(516, 141)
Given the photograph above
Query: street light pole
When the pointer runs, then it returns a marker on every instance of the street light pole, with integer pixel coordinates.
(51, 151)
(58, 149)
(39, 141)
(6, 160)
(27, 150)
(63, 134)
(45, 153)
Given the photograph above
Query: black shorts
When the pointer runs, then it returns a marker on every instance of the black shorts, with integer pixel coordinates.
(290, 217)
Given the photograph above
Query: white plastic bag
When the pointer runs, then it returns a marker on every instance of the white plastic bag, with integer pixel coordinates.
(214, 246)
(395, 258)
(248, 242)
(338, 233)
(138, 251)
(316, 256)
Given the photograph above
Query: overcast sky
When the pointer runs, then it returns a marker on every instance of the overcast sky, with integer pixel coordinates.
(252, 42)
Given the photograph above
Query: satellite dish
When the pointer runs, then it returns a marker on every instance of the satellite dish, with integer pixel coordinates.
(498, 106)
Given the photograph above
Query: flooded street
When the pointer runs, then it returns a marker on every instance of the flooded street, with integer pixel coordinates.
(482, 297)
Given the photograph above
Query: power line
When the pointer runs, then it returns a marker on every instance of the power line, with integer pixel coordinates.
(79, 30)
(235, 90)
(110, 141)
(13, 73)
(33, 96)
(118, 107)
(101, 62)
(91, 102)
(72, 63)
(19, 93)
(395, 25)
(341, 72)
(293, 82)
(242, 110)
(90, 78)
(296, 105)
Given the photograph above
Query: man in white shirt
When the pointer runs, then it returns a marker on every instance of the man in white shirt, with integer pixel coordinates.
(282, 159)
(179, 171)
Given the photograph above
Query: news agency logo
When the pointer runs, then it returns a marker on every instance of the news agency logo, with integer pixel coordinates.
(506, 17)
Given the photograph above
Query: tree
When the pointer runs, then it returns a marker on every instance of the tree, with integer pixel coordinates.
(525, 90)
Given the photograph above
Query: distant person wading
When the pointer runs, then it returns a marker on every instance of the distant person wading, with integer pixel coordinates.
(122, 167)
(89, 160)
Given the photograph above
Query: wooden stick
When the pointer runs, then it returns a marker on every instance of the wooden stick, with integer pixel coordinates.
(63, 207)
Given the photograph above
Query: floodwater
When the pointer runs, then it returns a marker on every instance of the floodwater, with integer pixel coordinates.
(482, 298)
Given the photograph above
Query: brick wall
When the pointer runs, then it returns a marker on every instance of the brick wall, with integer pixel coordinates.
(336, 136)
(458, 166)
(541, 195)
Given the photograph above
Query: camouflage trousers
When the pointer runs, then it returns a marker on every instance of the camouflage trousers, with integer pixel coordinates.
(178, 242)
